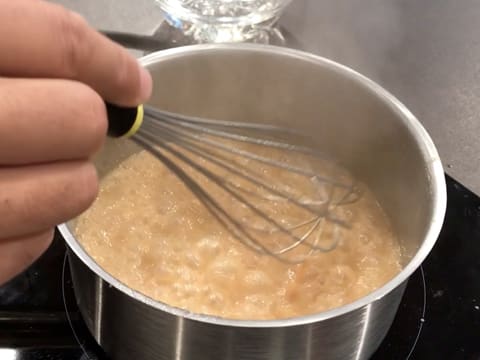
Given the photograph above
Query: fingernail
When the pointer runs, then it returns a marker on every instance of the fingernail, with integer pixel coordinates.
(145, 84)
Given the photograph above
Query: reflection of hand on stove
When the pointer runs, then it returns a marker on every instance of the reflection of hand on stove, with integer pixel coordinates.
(37, 285)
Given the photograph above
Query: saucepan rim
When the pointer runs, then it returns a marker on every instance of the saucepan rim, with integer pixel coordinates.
(433, 167)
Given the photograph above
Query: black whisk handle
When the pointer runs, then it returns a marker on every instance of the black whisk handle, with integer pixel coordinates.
(123, 121)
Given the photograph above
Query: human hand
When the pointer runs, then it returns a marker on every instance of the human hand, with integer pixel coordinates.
(55, 73)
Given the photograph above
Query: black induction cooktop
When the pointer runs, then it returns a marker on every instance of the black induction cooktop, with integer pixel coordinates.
(439, 317)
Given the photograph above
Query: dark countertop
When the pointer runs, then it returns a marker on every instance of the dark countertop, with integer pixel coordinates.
(425, 52)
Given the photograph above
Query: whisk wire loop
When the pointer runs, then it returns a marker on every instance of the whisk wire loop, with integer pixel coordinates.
(220, 151)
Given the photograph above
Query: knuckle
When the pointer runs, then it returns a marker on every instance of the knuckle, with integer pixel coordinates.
(124, 80)
(73, 42)
(123, 77)
(8, 103)
(94, 114)
(86, 187)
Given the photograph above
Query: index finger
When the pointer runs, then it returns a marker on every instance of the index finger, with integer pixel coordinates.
(41, 39)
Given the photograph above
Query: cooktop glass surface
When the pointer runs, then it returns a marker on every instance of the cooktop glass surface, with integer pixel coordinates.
(439, 316)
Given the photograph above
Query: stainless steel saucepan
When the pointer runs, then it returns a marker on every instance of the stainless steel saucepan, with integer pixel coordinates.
(365, 127)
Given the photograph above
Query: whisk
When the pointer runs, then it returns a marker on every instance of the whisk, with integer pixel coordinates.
(224, 153)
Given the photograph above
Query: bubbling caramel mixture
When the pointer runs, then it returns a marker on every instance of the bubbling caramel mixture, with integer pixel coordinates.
(149, 231)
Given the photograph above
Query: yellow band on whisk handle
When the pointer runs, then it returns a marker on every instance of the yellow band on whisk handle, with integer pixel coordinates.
(124, 121)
